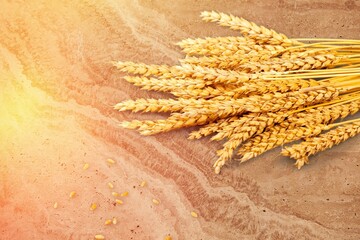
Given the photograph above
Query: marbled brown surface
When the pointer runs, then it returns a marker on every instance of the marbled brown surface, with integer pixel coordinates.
(57, 89)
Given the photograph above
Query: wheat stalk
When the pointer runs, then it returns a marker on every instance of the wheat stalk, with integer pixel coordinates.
(301, 152)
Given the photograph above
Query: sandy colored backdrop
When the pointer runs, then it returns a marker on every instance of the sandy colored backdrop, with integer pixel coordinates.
(57, 89)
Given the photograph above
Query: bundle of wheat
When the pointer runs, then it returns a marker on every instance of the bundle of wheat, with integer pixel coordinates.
(259, 91)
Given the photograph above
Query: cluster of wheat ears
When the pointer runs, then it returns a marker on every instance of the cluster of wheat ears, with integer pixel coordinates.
(255, 92)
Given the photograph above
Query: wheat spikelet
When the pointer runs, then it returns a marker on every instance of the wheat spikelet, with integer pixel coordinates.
(175, 121)
(233, 62)
(229, 49)
(206, 92)
(143, 69)
(170, 105)
(153, 105)
(247, 89)
(241, 130)
(264, 62)
(249, 125)
(166, 85)
(283, 65)
(185, 72)
(280, 101)
(212, 41)
(249, 29)
(262, 87)
(276, 136)
(323, 115)
(212, 127)
(301, 152)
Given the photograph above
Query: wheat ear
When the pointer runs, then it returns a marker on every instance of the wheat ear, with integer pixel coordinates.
(301, 152)
(212, 127)
(175, 121)
(249, 29)
(242, 130)
(276, 136)
(166, 85)
(323, 115)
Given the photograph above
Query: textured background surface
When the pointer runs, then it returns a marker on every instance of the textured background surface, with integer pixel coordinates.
(57, 88)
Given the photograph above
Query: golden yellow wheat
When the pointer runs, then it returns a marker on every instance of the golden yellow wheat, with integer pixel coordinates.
(254, 92)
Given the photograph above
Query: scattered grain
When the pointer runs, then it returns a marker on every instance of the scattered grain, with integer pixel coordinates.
(72, 194)
(99, 237)
(111, 161)
(194, 214)
(124, 194)
(168, 237)
(86, 166)
(143, 183)
(93, 206)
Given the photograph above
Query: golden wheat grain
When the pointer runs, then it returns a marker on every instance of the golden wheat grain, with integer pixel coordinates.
(86, 166)
(99, 237)
(194, 214)
(108, 221)
(124, 194)
(110, 161)
(72, 194)
(168, 237)
(93, 206)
